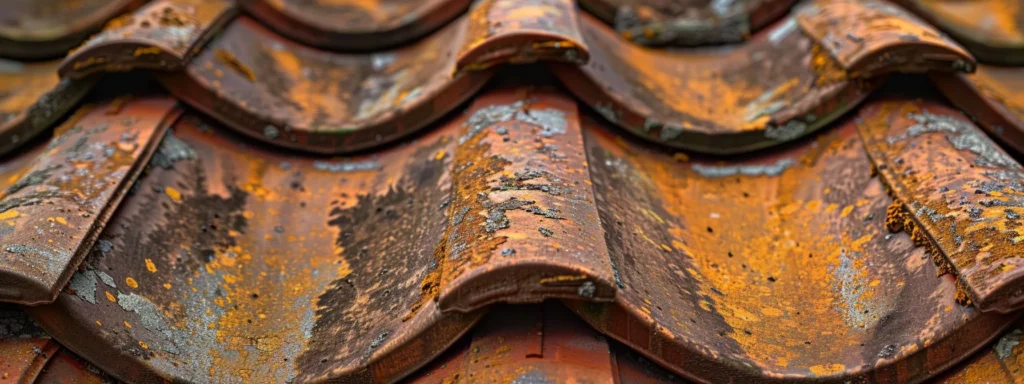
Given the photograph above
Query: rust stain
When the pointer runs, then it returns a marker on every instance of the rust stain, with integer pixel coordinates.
(522, 31)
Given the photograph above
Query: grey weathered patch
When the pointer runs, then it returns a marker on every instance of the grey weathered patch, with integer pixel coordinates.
(1004, 348)
(551, 121)
(149, 316)
(84, 284)
(172, 150)
(488, 116)
(345, 166)
(106, 279)
(587, 289)
(962, 135)
(789, 131)
(711, 171)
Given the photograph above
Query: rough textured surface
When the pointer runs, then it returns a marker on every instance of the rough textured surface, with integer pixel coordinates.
(871, 37)
(522, 31)
(299, 97)
(33, 98)
(687, 22)
(958, 194)
(46, 29)
(59, 194)
(162, 35)
(355, 24)
(991, 97)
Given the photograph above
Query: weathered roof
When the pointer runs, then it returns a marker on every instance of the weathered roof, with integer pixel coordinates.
(511, 190)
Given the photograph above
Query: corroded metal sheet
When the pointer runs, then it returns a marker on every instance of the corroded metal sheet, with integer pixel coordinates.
(522, 31)
(993, 30)
(32, 98)
(687, 22)
(298, 97)
(958, 194)
(355, 24)
(67, 368)
(41, 29)
(992, 97)
(283, 267)
(22, 359)
(523, 225)
(162, 35)
(775, 88)
(58, 197)
(1001, 362)
(871, 37)
(772, 268)
(231, 261)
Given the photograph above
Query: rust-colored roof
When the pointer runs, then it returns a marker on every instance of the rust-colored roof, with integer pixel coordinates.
(512, 191)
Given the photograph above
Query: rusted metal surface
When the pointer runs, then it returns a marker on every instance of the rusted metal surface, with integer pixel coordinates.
(522, 31)
(162, 35)
(775, 88)
(32, 98)
(536, 344)
(872, 37)
(992, 97)
(46, 29)
(993, 30)
(1001, 362)
(58, 197)
(687, 22)
(771, 268)
(24, 347)
(298, 97)
(239, 262)
(355, 24)
(958, 194)
(523, 225)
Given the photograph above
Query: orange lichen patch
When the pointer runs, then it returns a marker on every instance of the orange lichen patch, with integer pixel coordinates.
(9, 214)
(232, 62)
(131, 282)
(110, 297)
(828, 70)
(874, 38)
(958, 189)
(150, 266)
(521, 31)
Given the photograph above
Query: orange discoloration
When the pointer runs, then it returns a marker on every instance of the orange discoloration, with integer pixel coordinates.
(521, 31)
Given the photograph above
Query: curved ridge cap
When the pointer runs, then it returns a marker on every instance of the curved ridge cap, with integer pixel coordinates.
(991, 98)
(339, 34)
(300, 97)
(874, 37)
(34, 98)
(39, 39)
(163, 35)
(822, 199)
(60, 197)
(522, 31)
(747, 99)
(958, 194)
(644, 25)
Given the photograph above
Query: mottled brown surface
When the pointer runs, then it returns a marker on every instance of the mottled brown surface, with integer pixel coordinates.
(993, 30)
(355, 24)
(712, 101)
(873, 37)
(54, 205)
(299, 97)
(771, 268)
(163, 35)
(1000, 362)
(687, 22)
(522, 31)
(961, 196)
(992, 97)
(33, 98)
(41, 29)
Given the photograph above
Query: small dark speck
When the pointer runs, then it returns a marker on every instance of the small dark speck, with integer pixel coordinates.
(279, 229)
(711, 230)
(771, 279)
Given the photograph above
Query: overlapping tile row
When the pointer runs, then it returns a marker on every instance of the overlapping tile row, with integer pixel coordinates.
(355, 25)
(1000, 362)
(33, 98)
(46, 29)
(59, 194)
(29, 355)
(990, 29)
(957, 193)
(992, 97)
(786, 82)
(659, 22)
(161, 35)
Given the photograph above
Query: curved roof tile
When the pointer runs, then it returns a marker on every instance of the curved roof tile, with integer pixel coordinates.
(33, 98)
(993, 30)
(45, 29)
